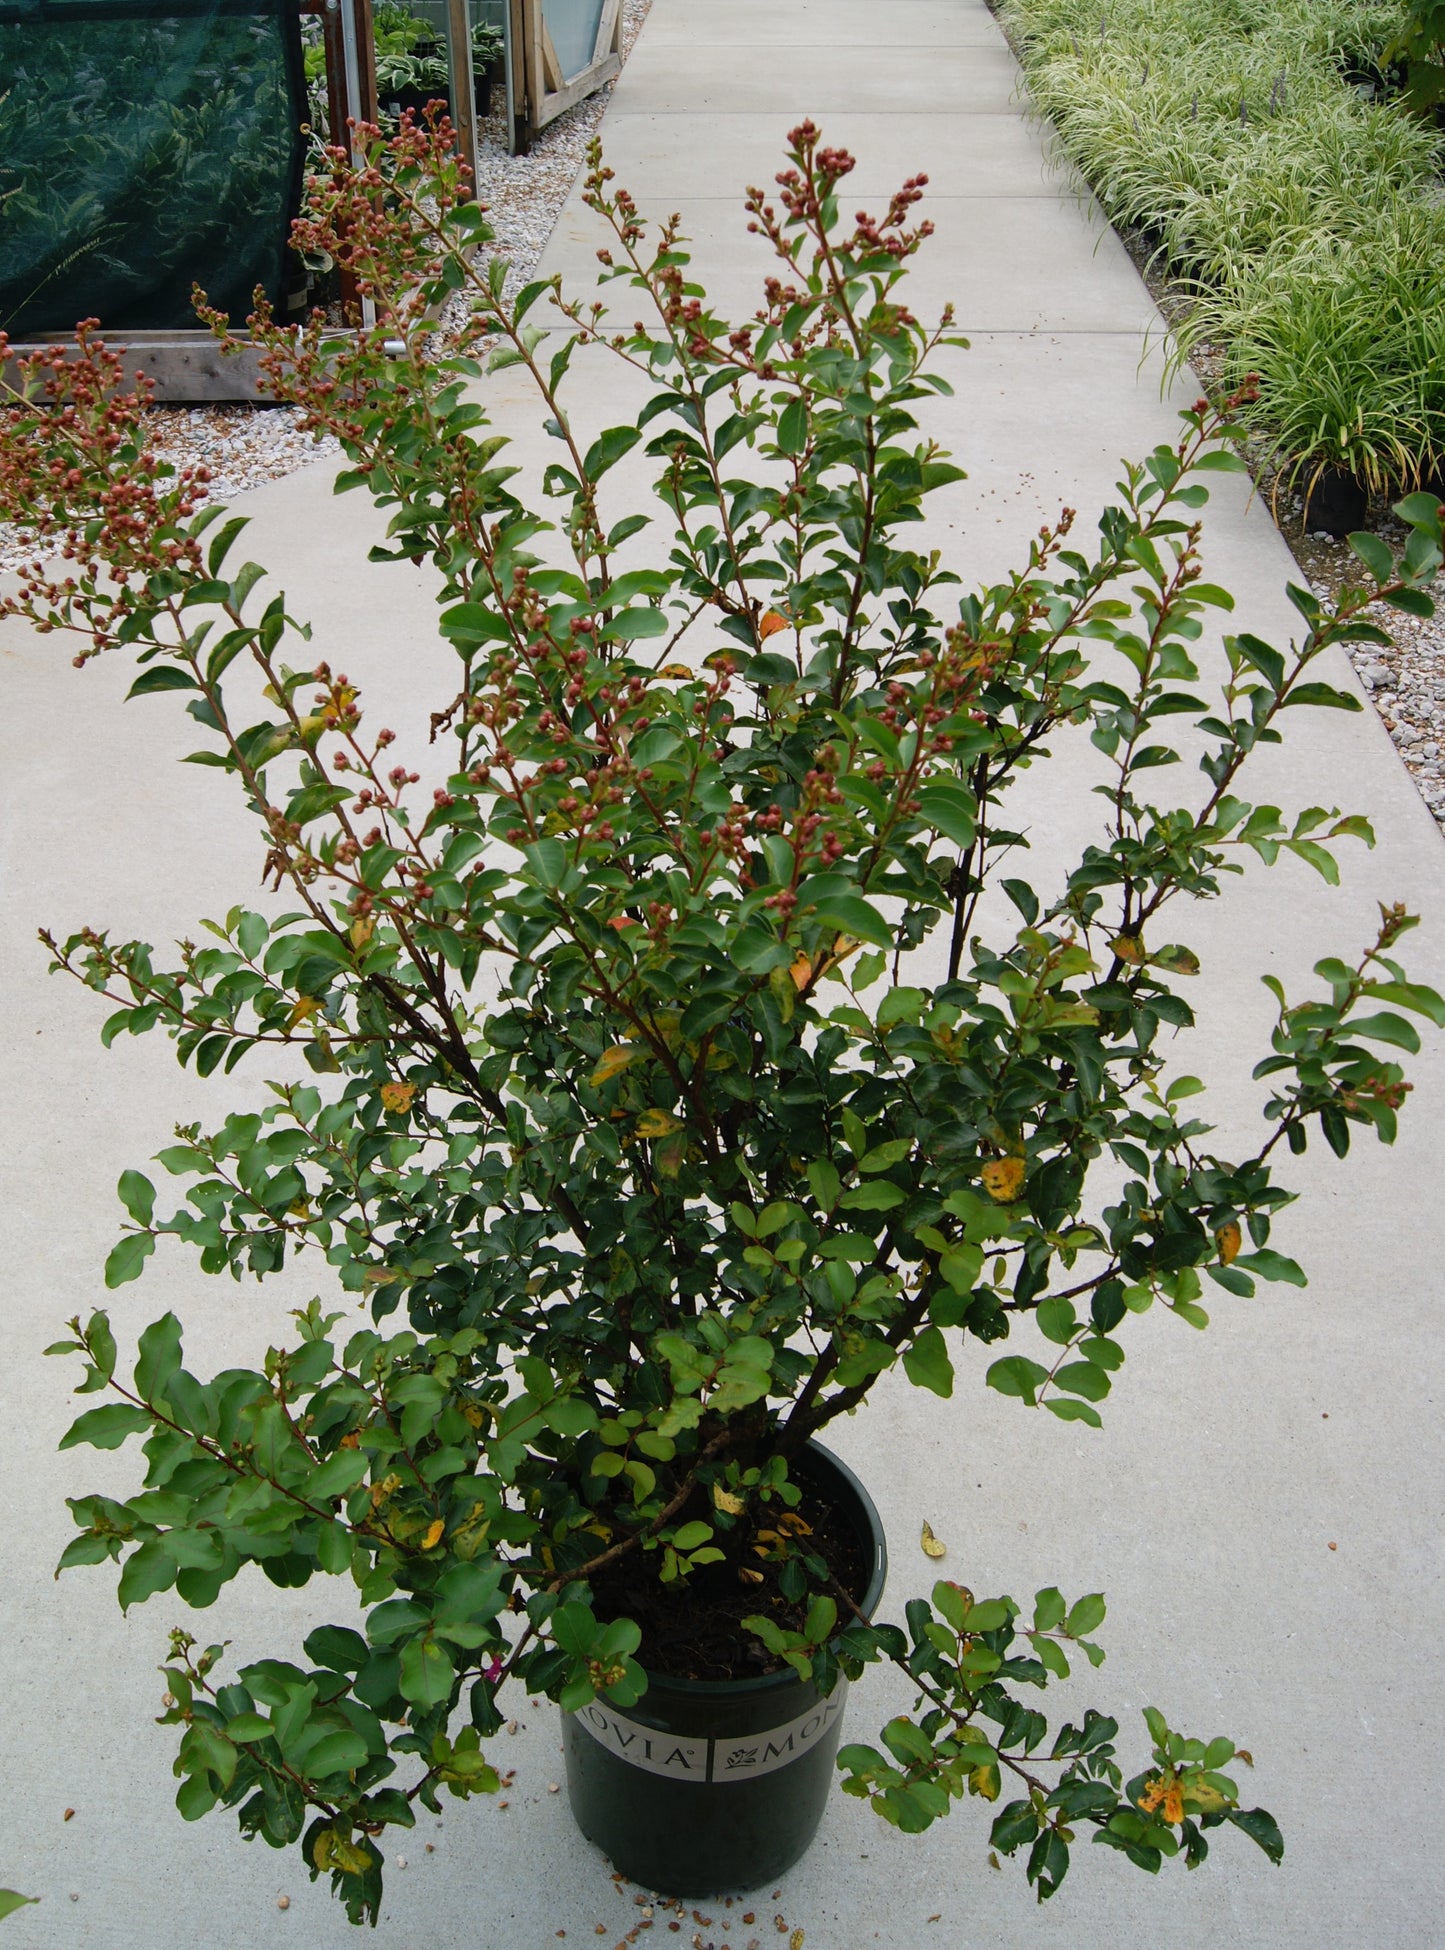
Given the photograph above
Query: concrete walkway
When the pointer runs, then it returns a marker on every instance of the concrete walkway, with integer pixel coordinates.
(1230, 1462)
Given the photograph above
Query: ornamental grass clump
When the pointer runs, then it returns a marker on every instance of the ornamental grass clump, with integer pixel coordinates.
(1301, 214)
(672, 1079)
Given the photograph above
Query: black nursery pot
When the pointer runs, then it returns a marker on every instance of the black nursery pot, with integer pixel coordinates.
(415, 99)
(1338, 502)
(707, 1786)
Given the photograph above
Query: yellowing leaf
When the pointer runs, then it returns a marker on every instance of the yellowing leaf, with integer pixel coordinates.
(397, 1097)
(1003, 1178)
(725, 1500)
(802, 971)
(362, 929)
(931, 1544)
(435, 1532)
(1165, 1794)
(749, 1576)
(1206, 1799)
(1129, 948)
(770, 623)
(985, 1781)
(681, 672)
(613, 1062)
(333, 1850)
(795, 1941)
(1229, 1239)
(657, 1123)
(301, 1008)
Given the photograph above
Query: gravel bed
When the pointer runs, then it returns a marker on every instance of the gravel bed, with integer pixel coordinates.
(245, 446)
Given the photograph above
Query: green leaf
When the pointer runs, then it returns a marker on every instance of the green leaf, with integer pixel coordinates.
(337, 1752)
(793, 427)
(1086, 1616)
(1069, 1410)
(927, 1364)
(146, 1571)
(246, 1727)
(138, 1196)
(1260, 1827)
(608, 448)
(426, 1673)
(881, 1196)
(548, 861)
(162, 677)
(127, 1257)
(106, 1428)
(1084, 1378)
(1270, 1265)
(634, 624)
(825, 1183)
(1049, 1608)
(1015, 1375)
(10, 1901)
(851, 915)
(1385, 1028)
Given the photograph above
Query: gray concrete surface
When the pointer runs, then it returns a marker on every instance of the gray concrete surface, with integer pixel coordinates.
(1230, 1460)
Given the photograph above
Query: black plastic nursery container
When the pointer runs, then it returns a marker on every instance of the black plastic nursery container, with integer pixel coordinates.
(713, 1785)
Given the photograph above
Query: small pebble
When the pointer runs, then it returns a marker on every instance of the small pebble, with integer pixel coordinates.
(554, 1787)
(401, 1861)
(283, 1902)
(69, 1815)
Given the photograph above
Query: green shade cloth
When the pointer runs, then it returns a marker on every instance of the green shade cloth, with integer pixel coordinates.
(145, 145)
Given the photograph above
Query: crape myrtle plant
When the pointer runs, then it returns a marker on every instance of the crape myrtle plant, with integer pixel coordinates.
(636, 1126)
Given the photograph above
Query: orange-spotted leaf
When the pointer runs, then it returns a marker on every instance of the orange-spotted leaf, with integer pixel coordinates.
(1003, 1178)
(1166, 1795)
(679, 671)
(396, 1097)
(1229, 1239)
(769, 623)
(657, 1124)
(613, 1062)
(932, 1546)
(802, 971)
(1129, 948)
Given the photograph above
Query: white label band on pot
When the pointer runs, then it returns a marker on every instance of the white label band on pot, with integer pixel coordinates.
(739, 1758)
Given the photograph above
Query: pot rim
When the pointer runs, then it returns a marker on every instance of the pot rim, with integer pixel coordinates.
(868, 1603)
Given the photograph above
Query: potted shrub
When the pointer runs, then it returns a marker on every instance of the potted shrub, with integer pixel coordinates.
(670, 1082)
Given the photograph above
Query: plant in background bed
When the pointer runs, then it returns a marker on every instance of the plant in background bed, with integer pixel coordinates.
(677, 1072)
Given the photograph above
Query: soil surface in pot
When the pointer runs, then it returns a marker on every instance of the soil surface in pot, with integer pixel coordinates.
(694, 1629)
